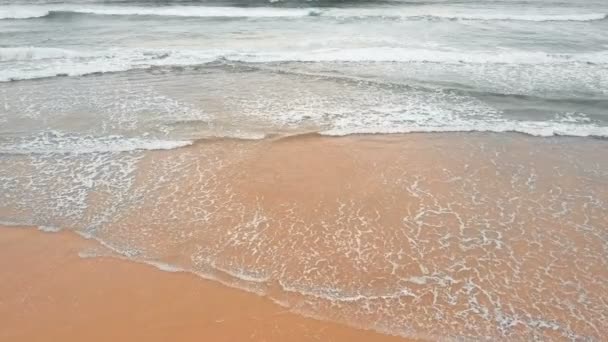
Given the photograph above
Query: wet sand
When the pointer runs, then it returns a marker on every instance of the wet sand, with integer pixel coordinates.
(49, 293)
(439, 236)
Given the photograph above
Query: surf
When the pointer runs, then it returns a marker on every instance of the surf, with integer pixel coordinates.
(403, 13)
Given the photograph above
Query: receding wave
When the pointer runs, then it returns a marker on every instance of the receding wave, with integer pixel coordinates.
(422, 13)
(62, 143)
(534, 128)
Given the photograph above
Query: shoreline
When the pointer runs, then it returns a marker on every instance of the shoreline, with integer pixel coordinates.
(397, 233)
(49, 292)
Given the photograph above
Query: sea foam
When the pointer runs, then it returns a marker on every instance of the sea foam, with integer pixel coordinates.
(405, 13)
(62, 143)
(36, 53)
(40, 62)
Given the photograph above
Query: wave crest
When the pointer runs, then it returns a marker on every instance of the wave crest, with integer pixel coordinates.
(79, 63)
(425, 13)
(23, 12)
(35, 53)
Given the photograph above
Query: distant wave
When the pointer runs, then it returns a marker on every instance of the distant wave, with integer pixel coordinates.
(26, 12)
(35, 53)
(62, 143)
(451, 14)
(42, 62)
(525, 17)
(33, 60)
(430, 13)
(23, 12)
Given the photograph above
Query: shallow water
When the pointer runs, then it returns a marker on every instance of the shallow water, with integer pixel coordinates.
(437, 236)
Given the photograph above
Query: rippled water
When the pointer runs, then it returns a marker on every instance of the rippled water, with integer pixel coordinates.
(539, 67)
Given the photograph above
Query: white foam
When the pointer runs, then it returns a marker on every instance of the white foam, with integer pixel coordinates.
(134, 256)
(49, 229)
(22, 12)
(235, 134)
(532, 17)
(416, 13)
(340, 296)
(194, 11)
(373, 110)
(39, 62)
(535, 128)
(57, 142)
(399, 54)
(435, 13)
(242, 274)
(35, 53)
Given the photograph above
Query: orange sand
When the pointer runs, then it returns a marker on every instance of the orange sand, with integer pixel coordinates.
(464, 236)
(49, 293)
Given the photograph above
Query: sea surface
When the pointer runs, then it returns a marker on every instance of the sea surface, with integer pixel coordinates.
(455, 152)
(252, 68)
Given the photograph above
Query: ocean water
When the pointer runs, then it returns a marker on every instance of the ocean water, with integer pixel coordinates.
(336, 67)
(433, 169)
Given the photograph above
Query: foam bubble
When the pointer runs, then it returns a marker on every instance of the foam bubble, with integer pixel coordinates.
(62, 143)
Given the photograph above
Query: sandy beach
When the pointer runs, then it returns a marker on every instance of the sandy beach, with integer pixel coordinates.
(421, 236)
(303, 170)
(49, 293)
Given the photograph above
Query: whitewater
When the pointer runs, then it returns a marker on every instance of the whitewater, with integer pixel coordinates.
(429, 13)
(475, 67)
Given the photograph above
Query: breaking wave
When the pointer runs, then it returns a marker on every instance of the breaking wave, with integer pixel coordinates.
(423, 13)
(35, 53)
(78, 63)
